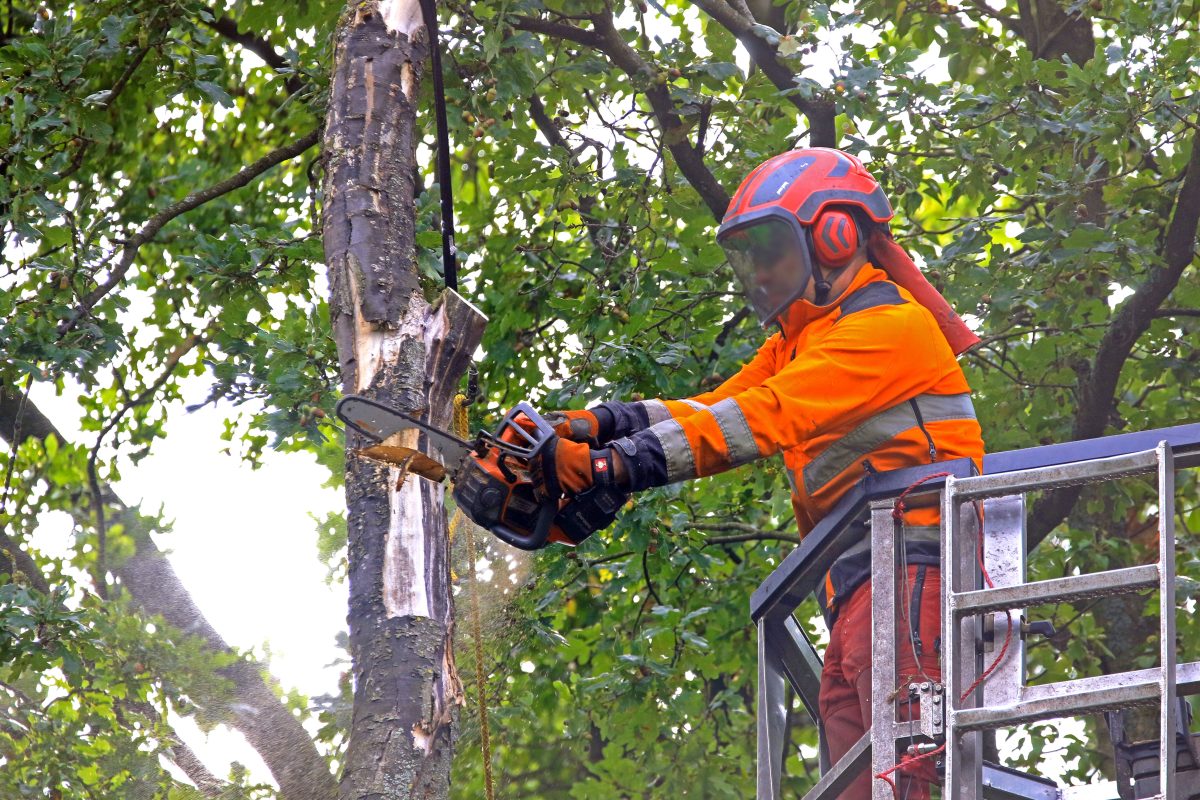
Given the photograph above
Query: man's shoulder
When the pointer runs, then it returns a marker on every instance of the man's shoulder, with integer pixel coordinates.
(873, 295)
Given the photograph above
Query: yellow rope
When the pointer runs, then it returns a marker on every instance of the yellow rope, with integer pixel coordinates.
(460, 425)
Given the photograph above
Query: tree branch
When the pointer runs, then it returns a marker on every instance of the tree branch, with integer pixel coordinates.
(1097, 386)
(820, 114)
(726, 329)
(169, 365)
(147, 575)
(1010, 24)
(752, 537)
(258, 45)
(749, 533)
(607, 39)
(185, 758)
(14, 559)
(649, 580)
(559, 30)
(131, 245)
(180, 754)
(689, 161)
(587, 201)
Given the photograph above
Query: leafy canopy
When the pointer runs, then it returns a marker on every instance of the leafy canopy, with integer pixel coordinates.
(1038, 166)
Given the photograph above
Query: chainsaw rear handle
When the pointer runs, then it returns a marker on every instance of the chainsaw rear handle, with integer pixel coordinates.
(535, 540)
(591, 511)
(576, 519)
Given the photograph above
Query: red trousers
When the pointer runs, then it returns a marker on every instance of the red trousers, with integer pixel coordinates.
(845, 700)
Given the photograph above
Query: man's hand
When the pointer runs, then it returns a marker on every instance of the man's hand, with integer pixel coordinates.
(578, 426)
(571, 468)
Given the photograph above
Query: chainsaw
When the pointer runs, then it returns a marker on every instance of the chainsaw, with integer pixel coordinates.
(496, 478)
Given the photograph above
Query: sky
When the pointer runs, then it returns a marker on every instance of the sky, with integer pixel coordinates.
(243, 543)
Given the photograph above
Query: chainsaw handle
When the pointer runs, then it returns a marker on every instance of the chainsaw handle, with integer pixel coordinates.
(509, 433)
(537, 538)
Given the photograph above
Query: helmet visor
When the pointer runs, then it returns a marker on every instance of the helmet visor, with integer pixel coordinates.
(772, 264)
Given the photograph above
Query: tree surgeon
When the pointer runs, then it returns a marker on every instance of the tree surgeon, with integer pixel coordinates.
(860, 376)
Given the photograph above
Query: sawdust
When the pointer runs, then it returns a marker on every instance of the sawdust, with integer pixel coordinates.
(501, 572)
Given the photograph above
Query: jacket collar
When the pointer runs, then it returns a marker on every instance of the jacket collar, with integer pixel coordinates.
(802, 313)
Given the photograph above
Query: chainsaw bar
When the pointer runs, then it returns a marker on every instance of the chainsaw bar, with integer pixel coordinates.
(378, 422)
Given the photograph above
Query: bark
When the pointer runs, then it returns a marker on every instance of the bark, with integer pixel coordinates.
(130, 246)
(1051, 32)
(395, 347)
(254, 709)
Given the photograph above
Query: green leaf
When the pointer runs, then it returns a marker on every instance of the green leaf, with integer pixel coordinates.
(215, 93)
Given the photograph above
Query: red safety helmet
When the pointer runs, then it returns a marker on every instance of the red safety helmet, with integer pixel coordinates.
(790, 211)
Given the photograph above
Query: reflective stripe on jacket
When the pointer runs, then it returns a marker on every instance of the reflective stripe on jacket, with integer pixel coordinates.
(865, 384)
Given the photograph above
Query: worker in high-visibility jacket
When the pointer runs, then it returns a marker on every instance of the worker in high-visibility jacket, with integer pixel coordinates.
(859, 376)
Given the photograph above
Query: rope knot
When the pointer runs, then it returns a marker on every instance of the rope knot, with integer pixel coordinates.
(899, 507)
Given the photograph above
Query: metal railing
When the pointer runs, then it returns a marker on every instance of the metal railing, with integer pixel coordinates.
(972, 616)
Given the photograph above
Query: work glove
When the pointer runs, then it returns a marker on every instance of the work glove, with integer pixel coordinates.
(578, 426)
(569, 469)
(594, 510)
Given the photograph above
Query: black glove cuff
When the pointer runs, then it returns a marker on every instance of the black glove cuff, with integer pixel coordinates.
(604, 423)
(645, 463)
(625, 419)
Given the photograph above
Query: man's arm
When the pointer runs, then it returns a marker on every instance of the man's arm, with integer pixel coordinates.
(870, 361)
(618, 419)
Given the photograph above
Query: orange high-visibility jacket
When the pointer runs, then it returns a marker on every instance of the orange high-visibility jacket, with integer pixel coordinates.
(867, 383)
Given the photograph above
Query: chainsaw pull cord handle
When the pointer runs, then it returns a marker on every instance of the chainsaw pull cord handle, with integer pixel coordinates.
(449, 252)
(508, 474)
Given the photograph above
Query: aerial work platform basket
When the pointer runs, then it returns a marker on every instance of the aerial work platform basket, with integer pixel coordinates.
(975, 621)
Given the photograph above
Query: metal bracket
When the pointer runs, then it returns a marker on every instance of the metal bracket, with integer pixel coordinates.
(933, 709)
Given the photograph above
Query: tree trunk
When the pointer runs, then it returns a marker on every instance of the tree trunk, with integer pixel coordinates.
(400, 350)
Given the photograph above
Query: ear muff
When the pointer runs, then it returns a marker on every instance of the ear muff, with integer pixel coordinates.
(834, 235)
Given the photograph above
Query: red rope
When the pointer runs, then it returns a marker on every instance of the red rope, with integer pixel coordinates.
(1007, 614)
(899, 508)
(907, 761)
(905, 766)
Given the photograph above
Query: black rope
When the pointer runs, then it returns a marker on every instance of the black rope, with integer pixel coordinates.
(449, 253)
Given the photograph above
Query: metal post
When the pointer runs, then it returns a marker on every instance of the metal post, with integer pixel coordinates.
(1004, 555)
(1166, 605)
(950, 679)
(883, 645)
(802, 667)
(964, 762)
(771, 718)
